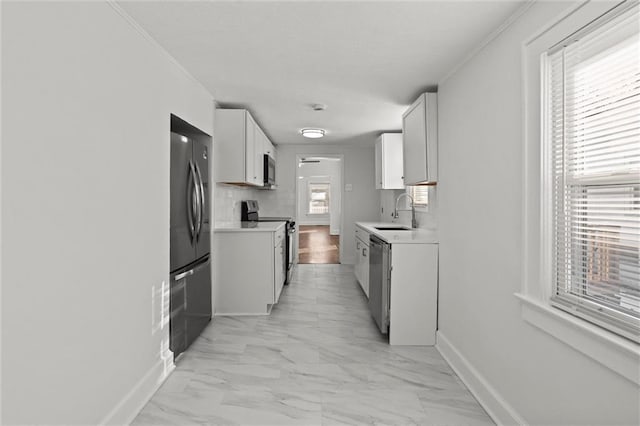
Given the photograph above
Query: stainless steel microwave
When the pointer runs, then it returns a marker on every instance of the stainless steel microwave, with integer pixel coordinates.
(269, 171)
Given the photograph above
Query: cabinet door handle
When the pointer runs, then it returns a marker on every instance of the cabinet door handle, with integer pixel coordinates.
(364, 252)
(357, 246)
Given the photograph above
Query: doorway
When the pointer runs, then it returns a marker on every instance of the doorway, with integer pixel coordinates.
(319, 208)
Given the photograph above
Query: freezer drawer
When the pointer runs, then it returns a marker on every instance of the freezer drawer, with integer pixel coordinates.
(190, 304)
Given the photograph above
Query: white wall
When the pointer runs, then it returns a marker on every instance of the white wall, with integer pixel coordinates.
(328, 171)
(359, 204)
(539, 379)
(86, 101)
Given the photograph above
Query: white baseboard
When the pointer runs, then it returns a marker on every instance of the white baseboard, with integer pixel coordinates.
(492, 402)
(316, 222)
(130, 405)
(242, 314)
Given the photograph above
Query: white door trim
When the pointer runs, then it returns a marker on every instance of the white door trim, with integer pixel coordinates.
(340, 191)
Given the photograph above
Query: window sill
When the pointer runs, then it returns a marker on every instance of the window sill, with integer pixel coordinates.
(614, 352)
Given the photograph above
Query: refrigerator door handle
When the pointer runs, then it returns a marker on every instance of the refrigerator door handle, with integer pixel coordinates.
(191, 271)
(191, 199)
(200, 185)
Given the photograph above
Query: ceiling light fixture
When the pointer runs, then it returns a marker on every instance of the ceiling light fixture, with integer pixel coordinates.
(312, 133)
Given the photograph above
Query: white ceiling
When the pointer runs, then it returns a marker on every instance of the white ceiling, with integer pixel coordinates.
(366, 60)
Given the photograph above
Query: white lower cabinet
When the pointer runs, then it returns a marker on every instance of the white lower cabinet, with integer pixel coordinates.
(413, 294)
(249, 270)
(402, 283)
(279, 266)
(362, 259)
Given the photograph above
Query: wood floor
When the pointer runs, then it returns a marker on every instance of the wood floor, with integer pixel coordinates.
(316, 245)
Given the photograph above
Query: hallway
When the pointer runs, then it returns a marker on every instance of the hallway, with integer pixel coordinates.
(317, 359)
(317, 245)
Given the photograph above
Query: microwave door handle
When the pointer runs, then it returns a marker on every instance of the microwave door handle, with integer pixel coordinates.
(200, 201)
(191, 199)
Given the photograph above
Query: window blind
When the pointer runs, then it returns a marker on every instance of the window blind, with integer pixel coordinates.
(420, 195)
(319, 198)
(593, 130)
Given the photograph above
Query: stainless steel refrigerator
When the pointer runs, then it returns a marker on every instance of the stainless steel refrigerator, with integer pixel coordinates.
(190, 299)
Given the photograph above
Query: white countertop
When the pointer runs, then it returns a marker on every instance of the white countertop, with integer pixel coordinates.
(414, 236)
(248, 226)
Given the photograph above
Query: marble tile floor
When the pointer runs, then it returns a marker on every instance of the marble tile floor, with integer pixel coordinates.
(318, 359)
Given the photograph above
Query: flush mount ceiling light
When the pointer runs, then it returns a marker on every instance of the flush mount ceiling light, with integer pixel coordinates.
(312, 133)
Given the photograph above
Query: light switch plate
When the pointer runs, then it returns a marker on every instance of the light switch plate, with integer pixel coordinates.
(348, 187)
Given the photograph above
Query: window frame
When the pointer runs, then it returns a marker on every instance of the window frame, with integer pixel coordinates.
(617, 353)
(422, 207)
(309, 191)
(582, 306)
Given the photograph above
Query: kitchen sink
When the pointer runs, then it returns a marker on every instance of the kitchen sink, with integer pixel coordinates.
(392, 228)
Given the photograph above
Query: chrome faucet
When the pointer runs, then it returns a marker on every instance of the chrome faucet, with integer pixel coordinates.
(414, 223)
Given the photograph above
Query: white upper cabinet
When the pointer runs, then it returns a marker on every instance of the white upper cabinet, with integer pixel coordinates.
(420, 140)
(252, 142)
(389, 164)
(258, 154)
(239, 148)
(268, 148)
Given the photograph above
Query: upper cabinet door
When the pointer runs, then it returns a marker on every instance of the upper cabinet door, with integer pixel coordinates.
(268, 148)
(239, 145)
(250, 150)
(260, 143)
(389, 161)
(420, 141)
(378, 164)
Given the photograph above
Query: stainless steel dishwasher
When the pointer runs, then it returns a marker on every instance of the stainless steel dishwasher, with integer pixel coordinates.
(379, 281)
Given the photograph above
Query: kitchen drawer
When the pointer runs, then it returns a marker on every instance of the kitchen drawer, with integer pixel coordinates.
(362, 234)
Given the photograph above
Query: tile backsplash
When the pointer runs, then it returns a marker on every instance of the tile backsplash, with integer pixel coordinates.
(227, 200)
(276, 202)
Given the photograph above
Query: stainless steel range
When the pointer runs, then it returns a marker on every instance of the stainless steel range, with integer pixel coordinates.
(250, 213)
